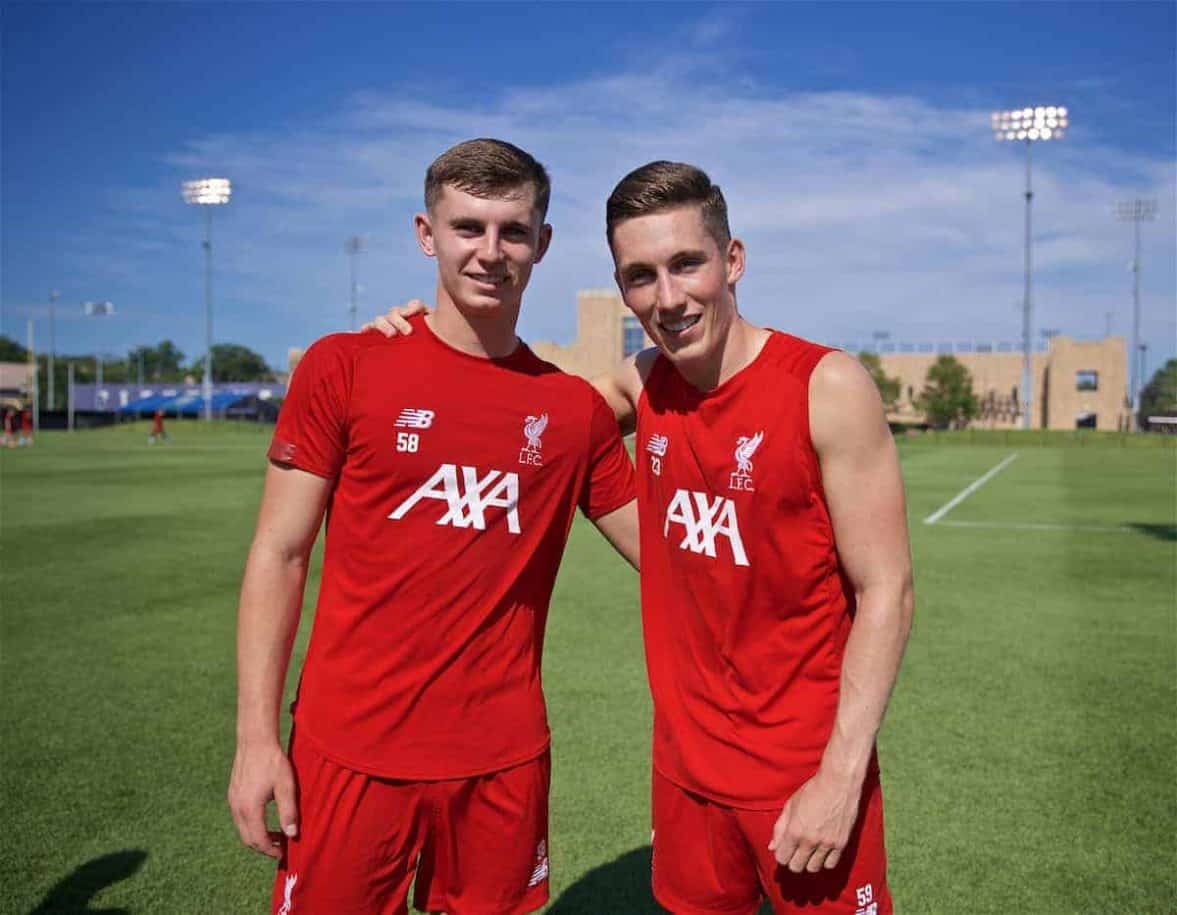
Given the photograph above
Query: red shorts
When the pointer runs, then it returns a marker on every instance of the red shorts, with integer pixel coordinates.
(710, 859)
(477, 846)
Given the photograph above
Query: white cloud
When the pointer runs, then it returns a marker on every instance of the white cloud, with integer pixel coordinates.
(861, 211)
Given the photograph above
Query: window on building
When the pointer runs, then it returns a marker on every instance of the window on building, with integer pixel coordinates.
(633, 338)
(1086, 380)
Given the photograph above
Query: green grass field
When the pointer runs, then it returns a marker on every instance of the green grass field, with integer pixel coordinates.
(1029, 756)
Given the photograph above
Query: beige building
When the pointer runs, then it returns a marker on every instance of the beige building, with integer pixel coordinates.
(1077, 384)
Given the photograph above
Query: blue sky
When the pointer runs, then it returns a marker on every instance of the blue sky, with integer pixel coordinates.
(852, 141)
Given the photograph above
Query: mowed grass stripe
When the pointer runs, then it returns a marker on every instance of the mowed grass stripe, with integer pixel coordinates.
(1028, 756)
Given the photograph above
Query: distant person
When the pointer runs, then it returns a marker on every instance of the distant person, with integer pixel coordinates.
(26, 427)
(776, 573)
(420, 743)
(9, 428)
(158, 433)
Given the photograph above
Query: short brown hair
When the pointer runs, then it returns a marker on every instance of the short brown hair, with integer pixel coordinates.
(487, 168)
(661, 185)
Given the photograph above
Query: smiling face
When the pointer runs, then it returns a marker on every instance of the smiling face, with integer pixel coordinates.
(485, 248)
(679, 282)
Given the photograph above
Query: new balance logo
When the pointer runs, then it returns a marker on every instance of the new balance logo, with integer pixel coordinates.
(468, 498)
(703, 520)
(657, 446)
(411, 418)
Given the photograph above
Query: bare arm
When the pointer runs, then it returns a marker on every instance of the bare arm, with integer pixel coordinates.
(622, 387)
(267, 621)
(620, 528)
(864, 491)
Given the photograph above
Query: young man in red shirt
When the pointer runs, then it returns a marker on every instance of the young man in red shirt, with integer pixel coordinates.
(776, 574)
(420, 741)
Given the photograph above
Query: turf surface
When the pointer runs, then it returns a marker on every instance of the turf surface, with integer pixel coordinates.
(1029, 757)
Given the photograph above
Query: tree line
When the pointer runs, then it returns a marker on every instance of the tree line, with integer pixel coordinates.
(163, 363)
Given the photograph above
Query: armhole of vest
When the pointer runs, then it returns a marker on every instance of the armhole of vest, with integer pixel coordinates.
(815, 354)
(657, 366)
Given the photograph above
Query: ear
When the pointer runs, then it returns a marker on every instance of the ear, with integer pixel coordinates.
(545, 239)
(424, 230)
(736, 261)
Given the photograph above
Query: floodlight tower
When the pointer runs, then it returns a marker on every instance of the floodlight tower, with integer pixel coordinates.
(54, 295)
(1136, 211)
(1030, 125)
(356, 244)
(208, 192)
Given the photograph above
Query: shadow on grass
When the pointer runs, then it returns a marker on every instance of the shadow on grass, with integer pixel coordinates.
(1167, 532)
(622, 885)
(619, 886)
(72, 894)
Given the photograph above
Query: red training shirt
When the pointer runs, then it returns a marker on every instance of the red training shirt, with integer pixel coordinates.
(745, 608)
(455, 482)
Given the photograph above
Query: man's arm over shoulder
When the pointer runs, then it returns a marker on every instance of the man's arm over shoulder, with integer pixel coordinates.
(622, 387)
(864, 492)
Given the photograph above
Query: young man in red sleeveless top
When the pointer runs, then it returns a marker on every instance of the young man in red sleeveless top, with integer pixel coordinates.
(420, 740)
(776, 573)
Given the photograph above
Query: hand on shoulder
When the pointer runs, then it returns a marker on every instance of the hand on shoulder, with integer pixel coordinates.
(395, 321)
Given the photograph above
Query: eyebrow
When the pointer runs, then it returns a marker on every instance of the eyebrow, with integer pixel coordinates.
(677, 256)
(459, 221)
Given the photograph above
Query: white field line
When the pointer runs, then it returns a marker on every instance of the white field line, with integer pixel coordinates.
(968, 491)
(1031, 526)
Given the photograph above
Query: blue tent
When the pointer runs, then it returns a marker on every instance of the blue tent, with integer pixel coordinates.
(182, 404)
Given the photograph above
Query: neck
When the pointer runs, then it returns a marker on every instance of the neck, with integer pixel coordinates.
(491, 337)
(741, 344)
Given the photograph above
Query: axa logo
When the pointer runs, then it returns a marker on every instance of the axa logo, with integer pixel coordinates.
(413, 418)
(468, 496)
(703, 520)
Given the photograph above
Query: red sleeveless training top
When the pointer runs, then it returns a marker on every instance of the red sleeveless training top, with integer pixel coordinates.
(745, 608)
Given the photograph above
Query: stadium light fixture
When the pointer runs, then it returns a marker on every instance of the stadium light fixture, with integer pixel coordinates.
(356, 244)
(208, 193)
(1136, 211)
(102, 309)
(1038, 124)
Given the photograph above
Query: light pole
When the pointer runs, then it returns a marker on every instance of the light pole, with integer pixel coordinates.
(102, 309)
(208, 192)
(1136, 211)
(353, 246)
(1029, 125)
(54, 295)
